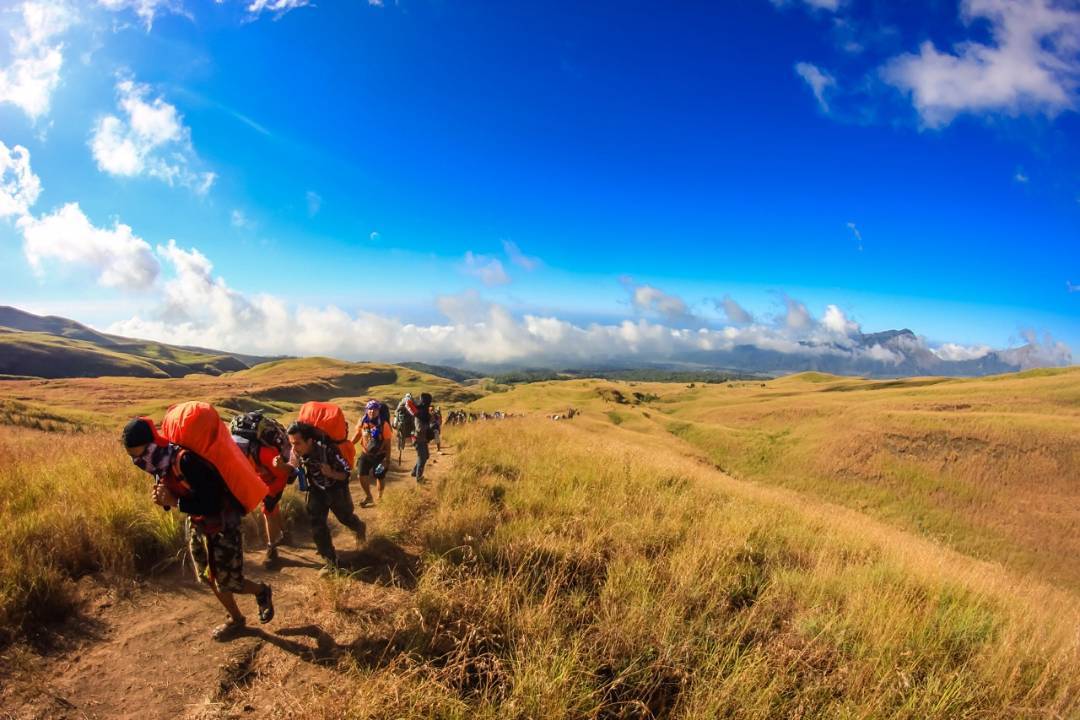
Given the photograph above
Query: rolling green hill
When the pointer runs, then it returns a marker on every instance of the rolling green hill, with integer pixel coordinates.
(55, 347)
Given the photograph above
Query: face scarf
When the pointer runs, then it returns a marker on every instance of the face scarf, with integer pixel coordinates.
(157, 459)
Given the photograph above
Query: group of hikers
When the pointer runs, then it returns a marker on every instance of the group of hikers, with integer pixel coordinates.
(460, 417)
(215, 474)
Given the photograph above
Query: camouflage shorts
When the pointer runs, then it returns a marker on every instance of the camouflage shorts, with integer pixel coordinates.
(218, 558)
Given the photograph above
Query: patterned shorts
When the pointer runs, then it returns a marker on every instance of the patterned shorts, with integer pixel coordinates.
(218, 558)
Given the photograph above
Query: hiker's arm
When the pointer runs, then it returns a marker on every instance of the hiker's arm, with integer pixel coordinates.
(359, 432)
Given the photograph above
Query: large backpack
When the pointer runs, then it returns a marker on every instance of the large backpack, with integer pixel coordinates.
(404, 422)
(260, 430)
(196, 426)
(330, 418)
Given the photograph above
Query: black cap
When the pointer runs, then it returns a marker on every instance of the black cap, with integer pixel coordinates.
(425, 398)
(137, 432)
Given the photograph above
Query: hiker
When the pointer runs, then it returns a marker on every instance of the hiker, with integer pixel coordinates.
(215, 541)
(373, 435)
(421, 413)
(324, 472)
(262, 439)
(436, 427)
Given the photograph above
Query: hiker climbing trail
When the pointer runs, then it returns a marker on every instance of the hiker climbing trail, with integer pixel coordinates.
(146, 652)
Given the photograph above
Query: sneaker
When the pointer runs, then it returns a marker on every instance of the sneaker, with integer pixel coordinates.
(271, 557)
(330, 568)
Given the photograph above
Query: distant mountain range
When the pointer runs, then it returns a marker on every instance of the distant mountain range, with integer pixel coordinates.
(892, 353)
(52, 347)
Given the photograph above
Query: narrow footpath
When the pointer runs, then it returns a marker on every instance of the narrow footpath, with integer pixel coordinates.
(146, 652)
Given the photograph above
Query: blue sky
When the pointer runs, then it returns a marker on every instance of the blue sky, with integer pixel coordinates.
(490, 180)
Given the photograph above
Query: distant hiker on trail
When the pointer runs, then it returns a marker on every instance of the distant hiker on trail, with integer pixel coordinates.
(436, 427)
(421, 413)
(404, 425)
(187, 481)
(323, 472)
(373, 436)
(263, 439)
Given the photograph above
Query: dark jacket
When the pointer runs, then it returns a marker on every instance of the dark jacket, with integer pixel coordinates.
(206, 492)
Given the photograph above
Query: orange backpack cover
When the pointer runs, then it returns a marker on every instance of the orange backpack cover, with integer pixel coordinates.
(330, 418)
(198, 427)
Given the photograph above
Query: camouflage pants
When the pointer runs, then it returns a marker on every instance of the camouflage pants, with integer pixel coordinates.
(218, 557)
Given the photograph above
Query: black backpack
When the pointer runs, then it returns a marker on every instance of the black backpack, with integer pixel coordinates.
(260, 430)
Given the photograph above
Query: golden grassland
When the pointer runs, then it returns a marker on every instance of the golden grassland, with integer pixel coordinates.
(277, 387)
(988, 466)
(575, 573)
(808, 547)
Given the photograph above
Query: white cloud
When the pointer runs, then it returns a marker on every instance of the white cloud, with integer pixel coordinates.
(277, 8)
(314, 202)
(487, 269)
(1046, 352)
(19, 186)
(239, 219)
(858, 235)
(120, 258)
(653, 301)
(146, 10)
(1030, 65)
(150, 139)
(200, 308)
(735, 312)
(955, 352)
(1070, 287)
(820, 82)
(796, 317)
(837, 323)
(36, 56)
(828, 5)
(374, 236)
(1021, 178)
(519, 258)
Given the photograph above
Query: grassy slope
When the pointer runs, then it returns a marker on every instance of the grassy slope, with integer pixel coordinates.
(591, 569)
(70, 501)
(28, 353)
(278, 387)
(572, 571)
(989, 466)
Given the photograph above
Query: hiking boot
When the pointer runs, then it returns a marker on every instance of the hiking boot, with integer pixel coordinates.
(330, 569)
(265, 599)
(271, 557)
(361, 535)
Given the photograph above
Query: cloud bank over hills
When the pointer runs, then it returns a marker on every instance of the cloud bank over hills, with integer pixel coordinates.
(193, 306)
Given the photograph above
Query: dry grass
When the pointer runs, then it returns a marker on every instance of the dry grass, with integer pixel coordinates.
(571, 574)
(71, 505)
(989, 466)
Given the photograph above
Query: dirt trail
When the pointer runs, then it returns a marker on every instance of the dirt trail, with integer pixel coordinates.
(148, 653)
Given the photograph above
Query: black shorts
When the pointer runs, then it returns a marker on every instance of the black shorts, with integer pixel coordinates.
(368, 463)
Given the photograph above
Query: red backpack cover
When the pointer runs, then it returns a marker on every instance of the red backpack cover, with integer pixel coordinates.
(198, 427)
(330, 418)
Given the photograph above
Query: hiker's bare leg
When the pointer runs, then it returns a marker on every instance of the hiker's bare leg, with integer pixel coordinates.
(228, 602)
(273, 526)
(366, 486)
